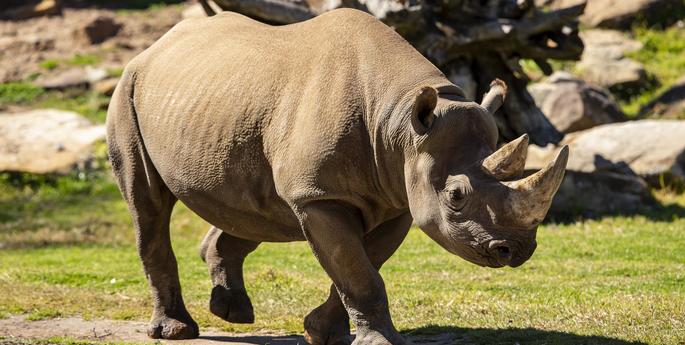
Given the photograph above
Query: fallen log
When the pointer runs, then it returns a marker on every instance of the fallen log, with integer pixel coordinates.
(472, 41)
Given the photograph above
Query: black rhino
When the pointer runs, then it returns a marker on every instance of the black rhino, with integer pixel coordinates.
(333, 131)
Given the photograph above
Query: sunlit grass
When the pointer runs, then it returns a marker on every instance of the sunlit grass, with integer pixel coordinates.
(69, 250)
(663, 55)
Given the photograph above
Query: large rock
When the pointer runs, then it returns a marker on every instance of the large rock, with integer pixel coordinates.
(46, 141)
(30, 9)
(610, 167)
(606, 189)
(653, 149)
(72, 78)
(97, 29)
(621, 14)
(572, 105)
(607, 44)
(604, 62)
(669, 105)
(106, 86)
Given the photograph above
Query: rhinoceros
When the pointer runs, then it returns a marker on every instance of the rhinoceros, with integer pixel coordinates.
(333, 131)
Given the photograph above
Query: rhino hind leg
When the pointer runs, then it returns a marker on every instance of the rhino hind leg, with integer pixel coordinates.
(150, 204)
(329, 323)
(225, 255)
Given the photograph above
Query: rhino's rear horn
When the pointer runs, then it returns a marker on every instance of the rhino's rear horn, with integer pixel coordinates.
(495, 97)
(508, 162)
(530, 198)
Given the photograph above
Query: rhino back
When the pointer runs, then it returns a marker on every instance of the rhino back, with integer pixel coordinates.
(241, 117)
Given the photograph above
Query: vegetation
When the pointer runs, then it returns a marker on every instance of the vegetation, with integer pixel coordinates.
(83, 60)
(87, 103)
(69, 250)
(49, 64)
(663, 55)
(18, 93)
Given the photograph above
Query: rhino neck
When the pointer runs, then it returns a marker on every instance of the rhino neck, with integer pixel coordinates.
(391, 137)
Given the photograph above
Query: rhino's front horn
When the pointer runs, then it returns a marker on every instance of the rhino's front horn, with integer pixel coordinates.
(508, 162)
(531, 197)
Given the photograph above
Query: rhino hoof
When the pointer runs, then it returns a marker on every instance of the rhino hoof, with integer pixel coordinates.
(231, 305)
(168, 328)
(321, 328)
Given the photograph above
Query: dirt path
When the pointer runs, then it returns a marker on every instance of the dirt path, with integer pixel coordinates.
(124, 331)
(18, 328)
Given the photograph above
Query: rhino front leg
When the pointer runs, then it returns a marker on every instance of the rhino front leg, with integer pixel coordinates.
(335, 233)
(225, 255)
(329, 323)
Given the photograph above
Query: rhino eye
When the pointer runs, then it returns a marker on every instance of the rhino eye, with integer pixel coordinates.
(457, 199)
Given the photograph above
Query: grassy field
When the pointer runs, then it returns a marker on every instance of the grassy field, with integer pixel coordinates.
(68, 249)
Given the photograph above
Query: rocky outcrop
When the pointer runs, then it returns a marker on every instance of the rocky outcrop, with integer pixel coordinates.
(72, 78)
(653, 149)
(30, 9)
(106, 86)
(572, 105)
(604, 62)
(611, 167)
(46, 141)
(621, 14)
(97, 29)
(604, 189)
(668, 105)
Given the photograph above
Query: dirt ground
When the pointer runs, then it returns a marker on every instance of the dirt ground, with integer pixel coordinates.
(25, 44)
(17, 329)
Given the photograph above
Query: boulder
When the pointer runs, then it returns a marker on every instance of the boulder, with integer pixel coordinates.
(608, 189)
(572, 105)
(668, 105)
(624, 77)
(72, 78)
(621, 14)
(603, 63)
(46, 141)
(25, 44)
(97, 29)
(653, 149)
(31, 9)
(95, 74)
(611, 167)
(607, 44)
(106, 86)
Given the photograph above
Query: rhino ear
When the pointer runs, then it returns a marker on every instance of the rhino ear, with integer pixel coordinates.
(422, 113)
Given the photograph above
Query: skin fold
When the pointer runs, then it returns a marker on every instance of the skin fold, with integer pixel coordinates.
(333, 131)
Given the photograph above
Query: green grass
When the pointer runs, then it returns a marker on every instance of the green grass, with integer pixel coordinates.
(89, 104)
(69, 250)
(18, 93)
(83, 60)
(49, 64)
(663, 55)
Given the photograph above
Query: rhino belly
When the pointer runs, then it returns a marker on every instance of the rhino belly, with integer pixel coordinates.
(226, 181)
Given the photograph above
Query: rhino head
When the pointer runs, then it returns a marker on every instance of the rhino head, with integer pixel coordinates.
(467, 196)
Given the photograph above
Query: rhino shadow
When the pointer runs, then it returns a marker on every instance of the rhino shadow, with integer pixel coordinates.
(445, 335)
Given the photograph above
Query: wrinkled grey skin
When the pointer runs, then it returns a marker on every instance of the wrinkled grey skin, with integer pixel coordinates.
(334, 131)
